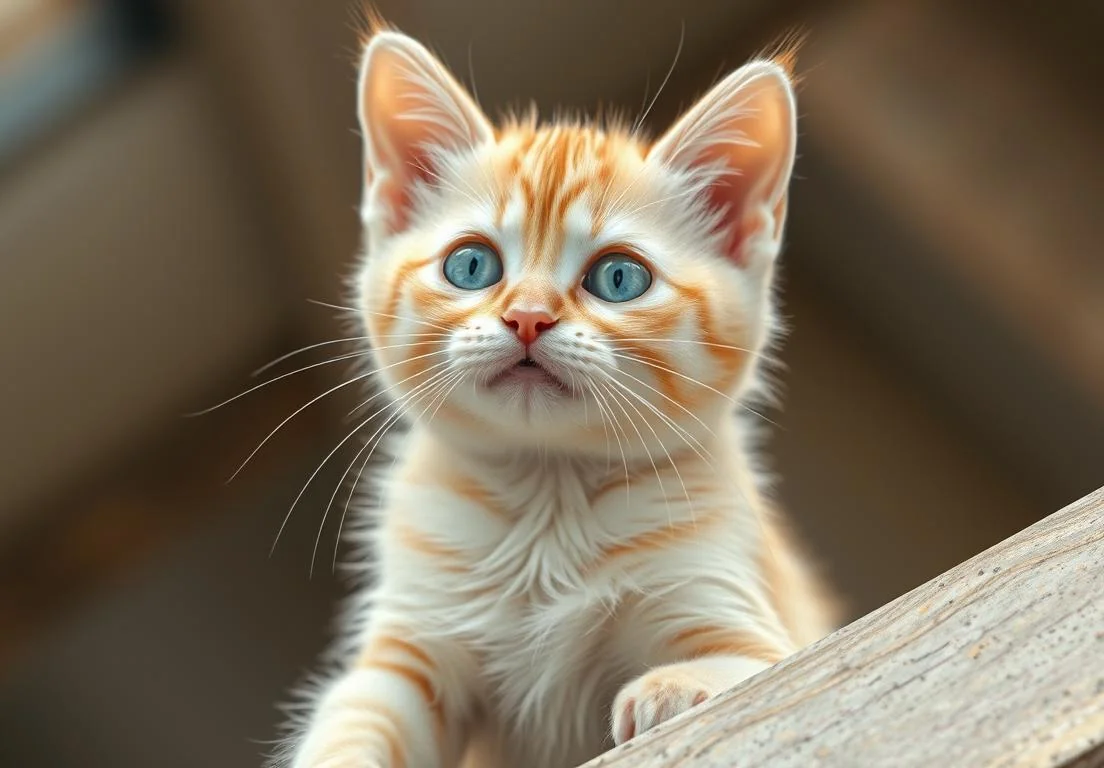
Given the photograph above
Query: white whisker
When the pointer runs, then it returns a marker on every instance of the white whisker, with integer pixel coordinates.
(672, 401)
(617, 398)
(314, 400)
(274, 379)
(692, 380)
(405, 406)
(691, 441)
(670, 460)
(328, 305)
(639, 122)
(301, 350)
(380, 314)
(604, 405)
(716, 345)
(388, 421)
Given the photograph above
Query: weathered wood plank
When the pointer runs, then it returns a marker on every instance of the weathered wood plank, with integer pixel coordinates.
(998, 662)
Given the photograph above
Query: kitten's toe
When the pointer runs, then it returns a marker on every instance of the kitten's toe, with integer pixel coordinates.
(654, 697)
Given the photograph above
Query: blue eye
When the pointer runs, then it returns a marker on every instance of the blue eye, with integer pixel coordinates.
(617, 277)
(473, 266)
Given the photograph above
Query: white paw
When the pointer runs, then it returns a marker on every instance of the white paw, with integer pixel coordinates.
(654, 697)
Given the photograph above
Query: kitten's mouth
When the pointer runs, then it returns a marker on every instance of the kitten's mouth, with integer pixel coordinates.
(528, 374)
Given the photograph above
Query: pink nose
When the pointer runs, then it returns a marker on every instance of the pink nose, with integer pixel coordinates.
(528, 324)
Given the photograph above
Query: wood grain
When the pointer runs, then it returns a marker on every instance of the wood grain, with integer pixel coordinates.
(998, 662)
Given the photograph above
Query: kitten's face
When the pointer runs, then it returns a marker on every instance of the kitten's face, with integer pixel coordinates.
(560, 286)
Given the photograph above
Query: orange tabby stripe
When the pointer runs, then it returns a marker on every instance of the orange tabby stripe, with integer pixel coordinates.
(417, 541)
(398, 281)
(569, 196)
(386, 726)
(383, 643)
(617, 482)
(468, 488)
(720, 641)
(730, 360)
(530, 198)
(666, 382)
(550, 175)
(371, 658)
(650, 541)
(412, 675)
(604, 178)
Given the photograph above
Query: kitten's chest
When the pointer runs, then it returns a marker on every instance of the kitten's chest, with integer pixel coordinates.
(548, 669)
(530, 534)
(541, 629)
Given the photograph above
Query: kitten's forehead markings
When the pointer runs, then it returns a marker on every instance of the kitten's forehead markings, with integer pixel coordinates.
(553, 172)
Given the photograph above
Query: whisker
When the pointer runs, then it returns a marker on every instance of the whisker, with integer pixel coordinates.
(409, 319)
(273, 380)
(717, 345)
(349, 339)
(643, 444)
(318, 469)
(328, 305)
(444, 396)
(294, 413)
(678, 51)
(670, 460)
(679, 431)
(403, 409)
(364, 403)
(602, 417)
(692, 380)
(604, 406)
(671, 400)
(379, 314)
(301, 350)
(391, 419)
(314, 400)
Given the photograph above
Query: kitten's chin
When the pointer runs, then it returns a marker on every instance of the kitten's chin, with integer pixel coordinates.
(525, 396)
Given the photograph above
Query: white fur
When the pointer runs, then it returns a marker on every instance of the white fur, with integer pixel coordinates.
(544, 649)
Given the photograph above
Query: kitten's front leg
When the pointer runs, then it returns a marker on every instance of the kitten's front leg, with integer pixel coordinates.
(388, 710)
(668, 690)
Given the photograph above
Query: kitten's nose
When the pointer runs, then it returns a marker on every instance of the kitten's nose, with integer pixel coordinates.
(528, 324)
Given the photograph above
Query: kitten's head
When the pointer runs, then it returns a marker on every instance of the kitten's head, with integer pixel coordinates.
(567, 286)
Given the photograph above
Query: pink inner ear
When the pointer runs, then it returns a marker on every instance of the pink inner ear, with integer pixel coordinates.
(742, 221)
(410, 108)
(396, 195)
(744, 130)
(726, 194)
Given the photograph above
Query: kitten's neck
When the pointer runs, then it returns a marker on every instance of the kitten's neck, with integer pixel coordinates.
(725, 452)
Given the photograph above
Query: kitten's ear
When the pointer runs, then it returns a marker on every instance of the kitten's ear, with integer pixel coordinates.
(411, 110)
(741, 137)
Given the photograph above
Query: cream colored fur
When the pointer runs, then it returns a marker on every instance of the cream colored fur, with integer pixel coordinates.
(546, 569)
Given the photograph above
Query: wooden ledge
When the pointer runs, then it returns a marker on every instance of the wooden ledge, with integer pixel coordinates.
(998, 662)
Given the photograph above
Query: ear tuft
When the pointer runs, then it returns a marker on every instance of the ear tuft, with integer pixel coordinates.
(784, 53)
(368, 22)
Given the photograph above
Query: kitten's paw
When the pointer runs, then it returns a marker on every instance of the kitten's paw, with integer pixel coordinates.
(654, 697)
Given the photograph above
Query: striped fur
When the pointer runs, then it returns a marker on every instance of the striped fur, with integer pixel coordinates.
(559, 569)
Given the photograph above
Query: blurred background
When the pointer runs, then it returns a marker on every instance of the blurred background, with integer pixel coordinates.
(178, 179)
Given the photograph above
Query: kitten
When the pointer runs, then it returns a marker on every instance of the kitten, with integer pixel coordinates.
(572, 545)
